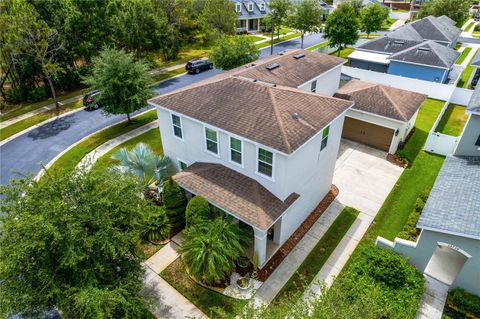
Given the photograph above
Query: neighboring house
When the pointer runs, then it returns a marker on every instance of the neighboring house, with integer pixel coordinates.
(250, 14)
(382, 116)
(469, 143)
(421, 50)
(258, 142)
(448, 248)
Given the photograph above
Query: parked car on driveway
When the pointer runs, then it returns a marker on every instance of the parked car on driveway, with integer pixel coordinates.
(198, 65)
(476, 17)
(90, 100)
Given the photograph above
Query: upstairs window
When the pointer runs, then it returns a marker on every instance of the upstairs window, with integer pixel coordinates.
(211, 140)
(236, 150)
(182, 165)
(238, 7)
(177, 126)
(325, 137)
(265, 162)
(262, 6)
(250, 6)
(313, 86)
(477, 143)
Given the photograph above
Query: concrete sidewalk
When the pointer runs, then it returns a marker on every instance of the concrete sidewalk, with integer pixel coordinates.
(397, 24)
(433, 299)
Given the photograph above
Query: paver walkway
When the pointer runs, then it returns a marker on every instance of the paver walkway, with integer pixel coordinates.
(169, 303)
(89, 159)
(364, 179)
(433, 299)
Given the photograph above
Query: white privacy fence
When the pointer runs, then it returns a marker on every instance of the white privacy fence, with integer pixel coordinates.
(437, 143)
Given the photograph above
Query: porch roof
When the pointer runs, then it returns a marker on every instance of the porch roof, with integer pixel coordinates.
(235, 193)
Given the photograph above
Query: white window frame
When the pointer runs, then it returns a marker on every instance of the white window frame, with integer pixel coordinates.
(250, 7)
(173, 126)
(313, 88)
(218, 141)
(230, 151)
(272, 178)
(262, 6)
(324, 138)
(238, 7)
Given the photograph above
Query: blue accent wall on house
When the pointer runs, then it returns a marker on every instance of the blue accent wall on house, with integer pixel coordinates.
(418, 71)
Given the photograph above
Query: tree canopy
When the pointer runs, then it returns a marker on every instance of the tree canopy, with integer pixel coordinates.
(306, 17)
(372, 18)
(122, 81)
(280, 9)
(232, 51)
(341, 27)
(69, 242)
(456, 10)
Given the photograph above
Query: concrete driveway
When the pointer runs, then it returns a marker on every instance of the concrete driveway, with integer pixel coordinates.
(364, 177)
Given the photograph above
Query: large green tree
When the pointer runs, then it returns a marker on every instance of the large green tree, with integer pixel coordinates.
(122, 81)
(456, 10)
(218, 17)
(306, 17)
(280, 11)
(341, 27)
(372, 17)
(68, 242)
(232, 51)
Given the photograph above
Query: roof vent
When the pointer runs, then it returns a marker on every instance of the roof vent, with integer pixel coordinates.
(295, 116)
(272, 66)
(254, 80)
(299, 56)
(399, 42)
(274, 85)
(424, 49)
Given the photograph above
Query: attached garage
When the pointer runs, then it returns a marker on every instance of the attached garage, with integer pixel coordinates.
(367, 133)
(382, 116)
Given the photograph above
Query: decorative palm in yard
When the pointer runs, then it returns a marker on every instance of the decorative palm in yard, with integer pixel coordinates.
(142, 162)
(157, 226)
(210, 250)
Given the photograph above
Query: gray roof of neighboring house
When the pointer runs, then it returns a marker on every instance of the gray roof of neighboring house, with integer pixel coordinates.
(256, 13)
(428, 53)
(406, 32)
(437, 29)
(476, 60)
(454, 202)
(474, 103)
(386, 44)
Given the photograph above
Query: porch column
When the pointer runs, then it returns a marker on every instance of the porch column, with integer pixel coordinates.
(260, 246)
(277, 232)
(258, 24)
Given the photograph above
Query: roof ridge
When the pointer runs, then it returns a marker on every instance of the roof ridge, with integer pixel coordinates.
(434, 48)
(372, 85)
(434, 22)
(383, 88)
(279, 120)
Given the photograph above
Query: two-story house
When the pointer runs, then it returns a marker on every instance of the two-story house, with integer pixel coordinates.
(255, 144)
(250, 14)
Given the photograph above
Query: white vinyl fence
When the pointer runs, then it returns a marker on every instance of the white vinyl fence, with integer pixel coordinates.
(440, 143)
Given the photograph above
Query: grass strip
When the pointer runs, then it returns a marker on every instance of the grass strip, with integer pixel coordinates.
(465, 76)
(469, 26)
(275, 40)
(254, 38)
(463, 56)
(166, 75)
(151, 138)
(344, 53)
(19, 126)
(314, 262)
(213, 304)
(319, 45)
(68, 161)
(17, 110)
(453, 120)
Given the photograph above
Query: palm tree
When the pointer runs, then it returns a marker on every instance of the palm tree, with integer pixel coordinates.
(209, 250)
(157, 226)
(142, 162)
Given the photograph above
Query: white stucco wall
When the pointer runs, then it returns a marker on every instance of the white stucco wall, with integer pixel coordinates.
(327, 83)
(419, 255)
(466, 145)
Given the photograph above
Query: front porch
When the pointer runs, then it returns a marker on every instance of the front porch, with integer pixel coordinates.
(248, 25)
(243, 198)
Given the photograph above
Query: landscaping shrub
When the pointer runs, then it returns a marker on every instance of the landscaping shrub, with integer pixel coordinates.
(209, 250)
(175, 201)
(477, 27)
(464, 302)
(197, 211)
(410, 231)
(157, 226)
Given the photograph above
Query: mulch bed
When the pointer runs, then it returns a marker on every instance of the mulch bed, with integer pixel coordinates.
(395, 160)
(288, 246)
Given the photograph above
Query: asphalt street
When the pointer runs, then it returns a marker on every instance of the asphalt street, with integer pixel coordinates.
(24, 154)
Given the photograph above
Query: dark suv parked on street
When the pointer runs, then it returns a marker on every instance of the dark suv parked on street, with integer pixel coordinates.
(90, 100)
(197, 65)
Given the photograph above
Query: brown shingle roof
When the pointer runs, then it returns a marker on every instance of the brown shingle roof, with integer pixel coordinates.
(381, 99)
(257, 111)
(291, 71)
(236, 193)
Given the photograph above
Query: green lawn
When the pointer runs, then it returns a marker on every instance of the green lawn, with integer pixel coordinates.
(465, 76)
(418, 177)
(283, 30)
(185, 55)
(464, 54)
(469, 26)
(318, 46)
(388, 23)
(319, 255)
(254, 38)
(453, 120)
(166, 75)
(344, 53)
(68, 161)
(213, 304)
(151, 138)
(12, 111)
(275, 40)
(36, 119)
